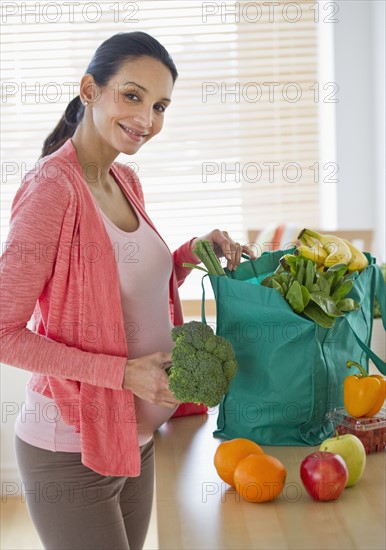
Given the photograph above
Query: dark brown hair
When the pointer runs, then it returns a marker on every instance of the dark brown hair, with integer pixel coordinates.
(106, 62)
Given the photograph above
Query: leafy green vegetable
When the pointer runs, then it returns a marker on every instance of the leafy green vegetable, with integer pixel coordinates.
(319, 295)
(323, 284)
(347, 304)
(342, 289)
(316, 314)
(278, 286)
(326, 303)
(305, 295)
(295, 298)
(310, 275)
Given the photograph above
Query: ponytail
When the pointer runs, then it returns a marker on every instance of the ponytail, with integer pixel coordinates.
(104, 65)
(65, 128)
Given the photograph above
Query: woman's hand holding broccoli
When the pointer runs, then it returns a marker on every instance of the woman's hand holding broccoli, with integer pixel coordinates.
(147, 379)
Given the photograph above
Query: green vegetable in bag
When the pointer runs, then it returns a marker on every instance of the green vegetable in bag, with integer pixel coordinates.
(205, 252)
(318, 295)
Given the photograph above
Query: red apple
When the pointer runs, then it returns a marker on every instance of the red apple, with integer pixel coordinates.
(324, 475)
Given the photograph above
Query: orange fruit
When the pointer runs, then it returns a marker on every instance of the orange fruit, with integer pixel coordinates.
(229, 453)
(259, 478)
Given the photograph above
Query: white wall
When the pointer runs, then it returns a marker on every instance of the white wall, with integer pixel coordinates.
(379, 79)
(359, 58)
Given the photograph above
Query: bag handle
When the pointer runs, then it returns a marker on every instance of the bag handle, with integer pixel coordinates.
(203, 318)
(231, 274)
(378, 362)
(379, 290)
(246, 257)
(380, 293)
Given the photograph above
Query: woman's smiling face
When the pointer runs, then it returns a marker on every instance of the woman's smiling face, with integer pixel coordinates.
(129, 110)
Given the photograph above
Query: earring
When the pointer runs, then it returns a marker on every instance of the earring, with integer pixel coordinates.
(85, 102)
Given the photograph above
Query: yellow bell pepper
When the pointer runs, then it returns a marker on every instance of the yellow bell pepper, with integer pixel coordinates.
(381, 396)
(363, 394)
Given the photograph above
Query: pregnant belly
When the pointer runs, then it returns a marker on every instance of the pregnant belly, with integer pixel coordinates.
(150, 418)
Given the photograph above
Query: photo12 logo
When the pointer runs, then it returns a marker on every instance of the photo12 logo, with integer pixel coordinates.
(269, 12)
(69, 12)
(254, 92)
(268, 172)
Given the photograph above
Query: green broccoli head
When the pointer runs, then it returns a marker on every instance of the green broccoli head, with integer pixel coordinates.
(223, 350)
(229, 368)
(194, 333)
(203, 364)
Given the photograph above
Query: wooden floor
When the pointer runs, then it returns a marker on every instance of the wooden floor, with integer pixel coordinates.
(18, 533)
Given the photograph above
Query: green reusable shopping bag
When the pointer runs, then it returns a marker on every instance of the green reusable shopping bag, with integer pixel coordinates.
(290, 369)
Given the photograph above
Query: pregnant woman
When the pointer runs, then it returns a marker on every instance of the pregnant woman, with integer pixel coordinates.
(88, 299)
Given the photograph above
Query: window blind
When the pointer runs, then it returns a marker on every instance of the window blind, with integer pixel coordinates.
(239, 148)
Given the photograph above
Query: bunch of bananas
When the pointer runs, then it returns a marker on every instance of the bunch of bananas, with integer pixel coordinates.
(328, 250)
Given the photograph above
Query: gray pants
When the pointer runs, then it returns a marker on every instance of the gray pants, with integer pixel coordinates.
(74, 508)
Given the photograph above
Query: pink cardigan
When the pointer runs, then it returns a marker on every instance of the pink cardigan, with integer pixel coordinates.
(59, 267)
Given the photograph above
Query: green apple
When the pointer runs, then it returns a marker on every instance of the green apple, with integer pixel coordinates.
(352, 450)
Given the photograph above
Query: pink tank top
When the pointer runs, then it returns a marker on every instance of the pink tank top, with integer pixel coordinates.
(144, 267)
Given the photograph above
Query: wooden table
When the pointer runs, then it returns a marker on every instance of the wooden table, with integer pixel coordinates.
(196, 510)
